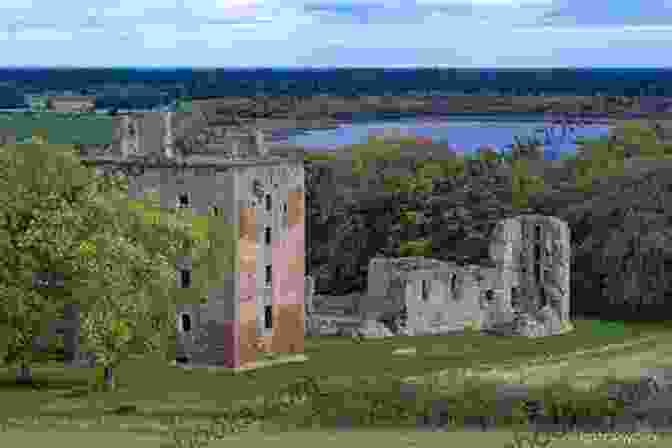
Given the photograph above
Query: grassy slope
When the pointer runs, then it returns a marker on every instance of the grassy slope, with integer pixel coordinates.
(160, 391)
(154, 386)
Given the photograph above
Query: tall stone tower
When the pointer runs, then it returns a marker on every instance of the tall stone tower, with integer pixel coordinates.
(532, 255)
(255, 202)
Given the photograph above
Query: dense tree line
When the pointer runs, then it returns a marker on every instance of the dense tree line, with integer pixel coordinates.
(445, 207)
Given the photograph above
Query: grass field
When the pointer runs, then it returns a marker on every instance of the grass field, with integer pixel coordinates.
(71, 414)
(156, 389)
(328, 439)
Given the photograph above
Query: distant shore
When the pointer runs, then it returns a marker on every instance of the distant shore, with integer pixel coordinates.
(282, 114)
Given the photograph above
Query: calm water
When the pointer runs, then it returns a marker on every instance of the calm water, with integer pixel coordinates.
(462, 134)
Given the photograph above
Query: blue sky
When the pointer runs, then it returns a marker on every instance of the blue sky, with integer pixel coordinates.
(388, 33)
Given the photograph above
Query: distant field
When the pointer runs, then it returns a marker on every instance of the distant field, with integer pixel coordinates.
(61, 128)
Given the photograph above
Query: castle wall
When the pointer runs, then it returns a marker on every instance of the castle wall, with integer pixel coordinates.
(532, 254)
(206, 188)
(453, 299)
(546, 242)
(226, 329)
(289, 291)
(505, 250)
(455, 293)
(378, 279)
(533, 251)
(285, 256)
(247, 284)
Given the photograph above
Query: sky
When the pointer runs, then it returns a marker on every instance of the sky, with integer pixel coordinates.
(350, 33)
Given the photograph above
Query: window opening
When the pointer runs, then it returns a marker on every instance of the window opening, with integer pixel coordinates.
(183, 200)
(268, 203)
(185, 277)
(425, 290)
(537, 263)
(268, 317)
(543, 298)
(185, 322)
(268, 235)
(269, 275)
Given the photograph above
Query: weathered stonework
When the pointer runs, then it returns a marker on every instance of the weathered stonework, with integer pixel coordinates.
(532, 254)
(437, 297)
(524, 291)
(257, 303)
(261, 308)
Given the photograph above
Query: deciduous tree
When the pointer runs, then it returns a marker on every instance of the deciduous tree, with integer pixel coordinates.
(57, 216)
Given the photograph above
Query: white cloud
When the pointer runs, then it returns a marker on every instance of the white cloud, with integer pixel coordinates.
(337, 32)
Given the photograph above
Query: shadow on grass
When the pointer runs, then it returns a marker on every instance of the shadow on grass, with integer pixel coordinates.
(44, 384)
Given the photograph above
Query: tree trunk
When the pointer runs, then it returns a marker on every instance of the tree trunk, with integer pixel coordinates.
(109, 378)
(24, 374)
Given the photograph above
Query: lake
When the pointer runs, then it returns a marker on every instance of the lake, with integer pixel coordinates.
(464, 133)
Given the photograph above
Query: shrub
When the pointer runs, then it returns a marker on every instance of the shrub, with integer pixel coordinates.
(523, 184)
(319, 156)
(417, 248)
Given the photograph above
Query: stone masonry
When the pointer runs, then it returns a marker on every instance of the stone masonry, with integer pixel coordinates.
(523, 291)
(532, 255)
(256, 302)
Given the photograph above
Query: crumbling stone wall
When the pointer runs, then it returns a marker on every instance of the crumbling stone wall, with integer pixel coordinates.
(525, 290)
(451, 300)
(437, 297)
(532, 255)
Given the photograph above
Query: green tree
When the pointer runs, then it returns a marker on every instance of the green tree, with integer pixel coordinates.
(376, 154)
(36, 191)
(603, 158)
(453, 166)
(638, 139)
(60, 217)
(319, 157)
(416, 248)
(523, 184)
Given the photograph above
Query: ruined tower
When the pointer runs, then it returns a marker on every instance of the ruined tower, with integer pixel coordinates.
(532, 254)
(256, 203)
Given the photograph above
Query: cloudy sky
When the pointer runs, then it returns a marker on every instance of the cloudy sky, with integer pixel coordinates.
(388, 33)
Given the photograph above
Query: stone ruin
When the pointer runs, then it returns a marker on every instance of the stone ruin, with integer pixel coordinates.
(523, 290)
(532, 255)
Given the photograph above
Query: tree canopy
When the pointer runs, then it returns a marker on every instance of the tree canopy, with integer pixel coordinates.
(116, 256)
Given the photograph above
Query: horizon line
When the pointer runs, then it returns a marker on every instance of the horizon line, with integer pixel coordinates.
(330, 67)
